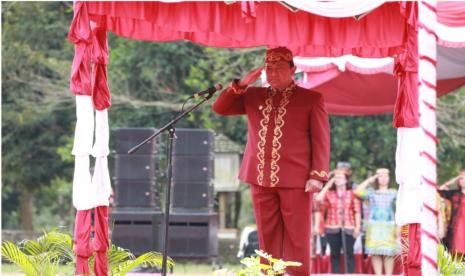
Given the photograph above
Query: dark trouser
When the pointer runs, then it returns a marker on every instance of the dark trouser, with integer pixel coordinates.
(364, 236)
(323, 243)
(335, 243)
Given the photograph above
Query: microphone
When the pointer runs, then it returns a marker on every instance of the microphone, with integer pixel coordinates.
(209, 91)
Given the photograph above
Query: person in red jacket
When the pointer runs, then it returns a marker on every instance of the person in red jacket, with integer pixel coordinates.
(286, 157)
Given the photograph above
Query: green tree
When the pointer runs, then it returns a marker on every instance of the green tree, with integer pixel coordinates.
(35, 120)
(451, 134)
(366, 142)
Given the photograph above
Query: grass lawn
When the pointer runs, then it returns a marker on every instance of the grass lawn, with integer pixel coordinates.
(9, 269)
(181, 267)
(192, 267)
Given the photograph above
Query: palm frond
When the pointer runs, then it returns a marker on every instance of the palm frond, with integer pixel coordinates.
(31, 247)
(148, 259)
(50, 266)
(59, 243)
(449, 264)
(117, 255)
(12, 253)
(44, 255)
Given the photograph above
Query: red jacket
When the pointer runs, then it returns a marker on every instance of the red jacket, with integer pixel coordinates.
(288, 135)
(331, 209)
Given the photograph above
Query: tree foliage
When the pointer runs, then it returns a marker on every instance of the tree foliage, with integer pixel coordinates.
(35, 62)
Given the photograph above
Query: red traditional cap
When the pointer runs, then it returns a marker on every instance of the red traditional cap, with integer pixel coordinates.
(278, 54)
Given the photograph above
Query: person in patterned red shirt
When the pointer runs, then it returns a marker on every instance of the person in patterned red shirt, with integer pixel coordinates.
(455, 239)
(341, 211)
(286, 157)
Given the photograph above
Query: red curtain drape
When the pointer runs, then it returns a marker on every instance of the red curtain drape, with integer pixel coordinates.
(380, 33)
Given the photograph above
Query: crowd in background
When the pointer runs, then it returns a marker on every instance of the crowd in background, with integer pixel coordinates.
(350, 216)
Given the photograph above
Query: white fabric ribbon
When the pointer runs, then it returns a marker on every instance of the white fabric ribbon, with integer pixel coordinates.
(450, 36)
(336, 8)
(90, 191)
(342, 61)
(451, 63)
(409, 197)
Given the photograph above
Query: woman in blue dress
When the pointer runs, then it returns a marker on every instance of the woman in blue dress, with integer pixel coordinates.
(381, 236)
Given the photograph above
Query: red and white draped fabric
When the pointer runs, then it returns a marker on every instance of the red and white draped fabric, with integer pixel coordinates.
(92, 94)
(91, 191)
(416, 150)
(365, 86)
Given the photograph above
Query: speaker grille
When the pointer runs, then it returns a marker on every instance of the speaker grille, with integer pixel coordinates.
(136, 167)
(193, 168)
(126, 138)
(137, 193)
(193, 142)
(193, 235)
(192, 196)
(137, 231)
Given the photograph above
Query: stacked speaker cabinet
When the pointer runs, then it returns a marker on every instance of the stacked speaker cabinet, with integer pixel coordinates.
(137, 229)
(193, 223)
(137, 220)
(137, 215)
(193, 235)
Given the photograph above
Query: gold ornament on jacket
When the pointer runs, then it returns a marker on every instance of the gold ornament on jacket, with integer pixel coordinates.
(277, 135)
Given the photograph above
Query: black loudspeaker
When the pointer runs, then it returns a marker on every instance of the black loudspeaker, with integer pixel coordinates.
(137, 193)
(192, 196)
(193, 142)
(193, 235)
(139, 231)
(126, 138)
(136, 167)
(193, 168)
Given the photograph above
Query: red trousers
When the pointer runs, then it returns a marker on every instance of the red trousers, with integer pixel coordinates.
(283, 224)
(84, 248)
(411, 249)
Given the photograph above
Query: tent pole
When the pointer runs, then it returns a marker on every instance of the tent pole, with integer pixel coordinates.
(427, 41)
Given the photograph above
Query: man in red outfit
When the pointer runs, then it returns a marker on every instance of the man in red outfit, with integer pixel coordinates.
(286, 157)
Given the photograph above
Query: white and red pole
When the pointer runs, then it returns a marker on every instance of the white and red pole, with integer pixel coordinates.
(427, 41)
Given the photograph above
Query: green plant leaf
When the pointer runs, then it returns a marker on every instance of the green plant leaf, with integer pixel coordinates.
(12, 253)
(149, 259)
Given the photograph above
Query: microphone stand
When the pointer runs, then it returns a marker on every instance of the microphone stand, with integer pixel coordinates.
(171, 132)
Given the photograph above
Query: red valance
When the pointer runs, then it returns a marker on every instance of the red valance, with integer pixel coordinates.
(381, 33)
